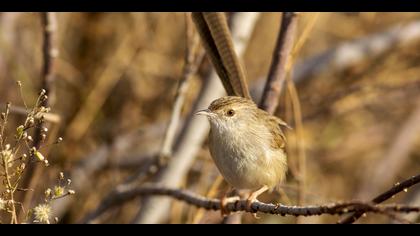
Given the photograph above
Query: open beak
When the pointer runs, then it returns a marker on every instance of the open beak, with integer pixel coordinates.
(205, 112)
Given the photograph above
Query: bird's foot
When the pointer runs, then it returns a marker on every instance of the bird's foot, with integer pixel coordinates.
(253, 198)
(225, 201)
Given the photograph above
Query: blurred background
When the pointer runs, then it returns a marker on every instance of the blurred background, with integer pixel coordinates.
(357, 78)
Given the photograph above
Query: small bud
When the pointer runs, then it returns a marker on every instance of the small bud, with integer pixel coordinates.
(29, 139)
(30, 122)
(19, 83)
(46, 163)
(61, 175)
(71, 192)
(45, 109)
(43, 137)
(39, 156)
(20, 130)
(59, 140)
(43, 91)
(58, 191)
(48, 193)
(3, 116)
(68, 181)
(56, 219)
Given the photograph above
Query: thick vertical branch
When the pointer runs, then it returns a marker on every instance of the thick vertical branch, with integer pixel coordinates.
(49, 52)
(278, 72)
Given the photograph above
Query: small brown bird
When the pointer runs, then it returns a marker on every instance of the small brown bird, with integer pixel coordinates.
(247, 145)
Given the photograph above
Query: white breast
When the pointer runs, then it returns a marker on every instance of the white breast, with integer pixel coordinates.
(244, 160)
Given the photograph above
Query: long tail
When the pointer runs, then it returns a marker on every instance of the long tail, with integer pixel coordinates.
(217, 40)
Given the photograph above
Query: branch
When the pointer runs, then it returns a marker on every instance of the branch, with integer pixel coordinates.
(278, 72)
(50, 117)
(240, 205)
(191, 65)
(49, 52)
(397, 188)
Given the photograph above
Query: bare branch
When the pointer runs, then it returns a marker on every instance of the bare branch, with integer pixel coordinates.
(278, 72)
(50, 117)
(191, 65)
(240, 205)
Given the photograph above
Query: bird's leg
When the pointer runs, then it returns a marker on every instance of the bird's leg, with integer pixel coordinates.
(253, 197)
(225, 200)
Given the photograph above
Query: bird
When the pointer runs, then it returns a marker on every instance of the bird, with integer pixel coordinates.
(247, 145)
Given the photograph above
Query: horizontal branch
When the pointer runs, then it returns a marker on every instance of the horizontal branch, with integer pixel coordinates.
(123, 195)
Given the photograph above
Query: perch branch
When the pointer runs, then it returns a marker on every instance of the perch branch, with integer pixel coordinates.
(240, 205)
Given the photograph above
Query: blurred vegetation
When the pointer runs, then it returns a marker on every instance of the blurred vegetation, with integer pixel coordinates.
(132, 62)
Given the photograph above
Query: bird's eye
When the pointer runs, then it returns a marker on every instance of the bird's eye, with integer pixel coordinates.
(230, 112)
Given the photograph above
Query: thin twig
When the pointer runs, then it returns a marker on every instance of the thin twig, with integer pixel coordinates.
(191, 65)
(297, 111)
(397, 188)
(277, 74)
(50, 117)
(240, 205)
(297, 114)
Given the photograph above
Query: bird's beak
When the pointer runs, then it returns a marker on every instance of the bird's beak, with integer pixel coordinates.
(205, 112)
